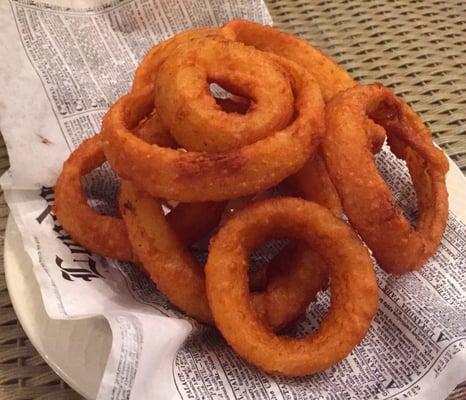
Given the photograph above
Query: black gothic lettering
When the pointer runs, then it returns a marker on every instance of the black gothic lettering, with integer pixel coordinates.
(89, 271)
(86, 274)
(46, 192)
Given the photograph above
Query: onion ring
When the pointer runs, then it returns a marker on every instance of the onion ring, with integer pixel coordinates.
(147, 71)
(151, 130)
(194, 176)
(313, 183)
(100, 234)
(106, 235)
(367, 201)
(180, 278)
(145, 76)
(331, 77)
(352, 283)
(186, 107)
(148, 68)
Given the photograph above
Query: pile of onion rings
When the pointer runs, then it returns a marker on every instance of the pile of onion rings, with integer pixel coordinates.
(216, 120)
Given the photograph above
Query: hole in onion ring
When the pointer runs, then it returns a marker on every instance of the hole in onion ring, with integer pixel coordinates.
(273, 253)
(101, 186)
(228, 101)
(405, 198)
(218, 91)
(310, 321)
(259, 259)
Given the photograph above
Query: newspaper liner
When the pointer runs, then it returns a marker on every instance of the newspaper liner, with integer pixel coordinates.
(63, 64)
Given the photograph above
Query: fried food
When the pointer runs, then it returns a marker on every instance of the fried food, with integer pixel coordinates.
(352, 283)
(100, 234)
(151, 127)
(186, 106)
(367, 201)
(151, 130)
(218, 123)
(331, 77)
(164, 257)
(312, 181)
(148, 68)
(198, 176)
(292, 280)
(106, 235)
(292, 283)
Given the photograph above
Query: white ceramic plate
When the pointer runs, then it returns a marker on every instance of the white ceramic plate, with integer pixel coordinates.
(76, 350)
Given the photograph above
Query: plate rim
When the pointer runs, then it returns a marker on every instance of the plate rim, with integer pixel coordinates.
(9, 253)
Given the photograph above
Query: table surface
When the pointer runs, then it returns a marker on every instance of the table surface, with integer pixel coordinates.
(418, 48)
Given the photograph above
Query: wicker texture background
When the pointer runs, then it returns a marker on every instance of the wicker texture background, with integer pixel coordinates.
(416, 47)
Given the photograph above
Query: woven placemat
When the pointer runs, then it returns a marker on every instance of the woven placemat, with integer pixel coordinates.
(418, 48)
